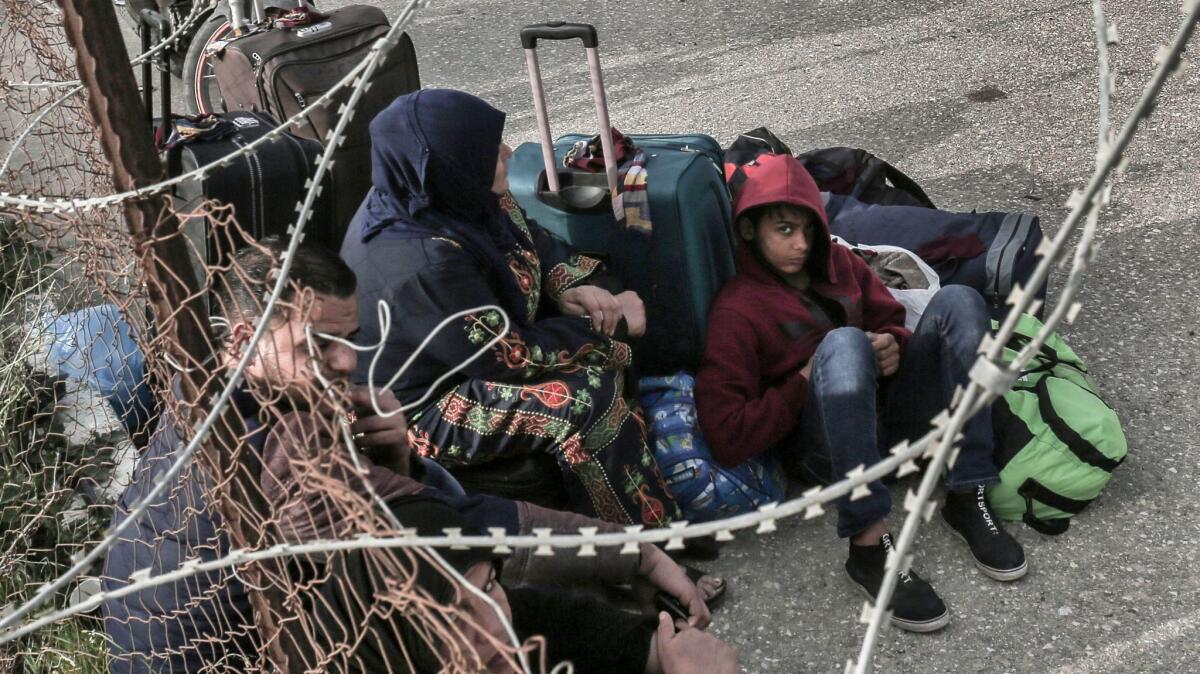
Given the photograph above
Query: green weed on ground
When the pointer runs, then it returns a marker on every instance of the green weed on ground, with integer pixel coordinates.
(41, 524)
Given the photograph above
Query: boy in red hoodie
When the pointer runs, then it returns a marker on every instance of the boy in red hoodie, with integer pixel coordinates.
(807, 355)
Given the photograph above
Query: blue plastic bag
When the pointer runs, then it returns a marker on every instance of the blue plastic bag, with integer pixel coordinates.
(96, 345)
(703, 488)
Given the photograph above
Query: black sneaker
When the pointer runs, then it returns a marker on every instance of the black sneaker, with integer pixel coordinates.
(996, 552)
(915, 606)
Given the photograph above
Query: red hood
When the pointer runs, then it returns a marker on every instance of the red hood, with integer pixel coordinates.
(782, 179)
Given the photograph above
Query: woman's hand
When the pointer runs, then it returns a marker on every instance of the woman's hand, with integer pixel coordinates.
(663, 573)
(604, 308)
(634, 312)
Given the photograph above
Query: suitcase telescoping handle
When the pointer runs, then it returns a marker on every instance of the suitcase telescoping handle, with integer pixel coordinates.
(587, 34)
(154, 23)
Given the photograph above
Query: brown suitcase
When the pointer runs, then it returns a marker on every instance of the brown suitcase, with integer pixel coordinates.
(281, 71)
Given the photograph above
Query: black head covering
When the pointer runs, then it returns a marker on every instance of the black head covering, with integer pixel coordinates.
(433, 162)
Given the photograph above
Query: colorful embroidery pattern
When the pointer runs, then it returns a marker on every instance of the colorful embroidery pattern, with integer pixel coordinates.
(564, 275)
(594, 432)
(510, 206)
(608, 508)
(653, 511)
(619, 357)
(606, 428)
(420, 442)
(483, 420)
(525, 267)
(533, 361)
(552, 394)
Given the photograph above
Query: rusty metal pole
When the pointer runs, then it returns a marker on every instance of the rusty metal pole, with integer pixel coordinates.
(177, 300)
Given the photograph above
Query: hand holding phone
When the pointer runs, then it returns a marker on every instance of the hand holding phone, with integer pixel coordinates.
(665, 602)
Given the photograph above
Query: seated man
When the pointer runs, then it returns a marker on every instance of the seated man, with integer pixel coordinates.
(807, 355)
(361, 594)
(206, 619)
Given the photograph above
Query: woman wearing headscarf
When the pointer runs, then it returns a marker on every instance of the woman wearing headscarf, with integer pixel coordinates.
(440, 234)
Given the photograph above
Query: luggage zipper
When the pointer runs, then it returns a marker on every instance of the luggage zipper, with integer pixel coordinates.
(995, 257)
(256, 188)
(262, 60)
(325, 37)
(298, 96)
(312, 168)
(1008, 256)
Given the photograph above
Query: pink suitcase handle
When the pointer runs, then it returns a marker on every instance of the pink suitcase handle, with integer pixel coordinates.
(587, 34)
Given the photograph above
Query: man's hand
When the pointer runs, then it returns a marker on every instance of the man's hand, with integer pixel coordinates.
(690, 651)
(663, 573)
(887, 351)
(383, 438)
(634, 312)
(601, 305)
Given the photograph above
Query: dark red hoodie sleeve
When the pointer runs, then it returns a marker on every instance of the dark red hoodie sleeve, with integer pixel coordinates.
(739, 416)
(881, 311)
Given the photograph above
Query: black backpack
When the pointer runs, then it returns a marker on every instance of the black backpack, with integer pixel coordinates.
(860, 174)
(840, 170)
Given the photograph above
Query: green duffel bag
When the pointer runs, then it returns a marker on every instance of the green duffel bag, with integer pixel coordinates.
(1057, 442)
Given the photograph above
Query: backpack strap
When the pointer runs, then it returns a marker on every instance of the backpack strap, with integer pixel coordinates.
(901, 180)
(1031, 489)
(1049, 356)
(1081, 448)
(895, 176)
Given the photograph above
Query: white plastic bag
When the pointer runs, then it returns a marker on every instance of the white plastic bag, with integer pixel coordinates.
(914, 300)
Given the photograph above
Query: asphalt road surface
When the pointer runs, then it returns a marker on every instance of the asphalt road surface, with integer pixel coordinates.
(989, 105)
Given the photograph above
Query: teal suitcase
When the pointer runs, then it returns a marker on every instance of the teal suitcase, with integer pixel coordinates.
(680, 265)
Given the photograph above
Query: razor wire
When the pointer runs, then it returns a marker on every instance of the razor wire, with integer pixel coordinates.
(219, 402)
(74, 87)
(989, 379)
(355, 77)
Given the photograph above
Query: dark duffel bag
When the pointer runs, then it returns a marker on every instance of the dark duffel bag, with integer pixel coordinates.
(990, 252)
(263, 186)
(281, 71)
(842, 170)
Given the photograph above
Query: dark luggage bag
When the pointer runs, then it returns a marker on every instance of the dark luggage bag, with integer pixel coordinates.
(990, 252)
(281, 71)
(842, 170)
(678, 267)
(264, 186)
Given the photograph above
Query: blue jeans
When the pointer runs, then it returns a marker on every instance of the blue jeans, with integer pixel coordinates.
(851, 417)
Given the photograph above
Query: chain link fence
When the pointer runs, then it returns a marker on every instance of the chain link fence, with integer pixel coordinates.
(92, 355)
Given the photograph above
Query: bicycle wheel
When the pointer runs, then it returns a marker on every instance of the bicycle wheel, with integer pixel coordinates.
(200, 90)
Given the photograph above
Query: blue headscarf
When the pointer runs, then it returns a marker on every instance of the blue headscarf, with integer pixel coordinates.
(433, 162)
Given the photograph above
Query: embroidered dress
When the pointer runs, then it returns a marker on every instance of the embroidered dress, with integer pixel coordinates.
(551, 383)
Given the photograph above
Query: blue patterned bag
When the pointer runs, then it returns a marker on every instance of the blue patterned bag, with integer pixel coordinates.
(703, 488)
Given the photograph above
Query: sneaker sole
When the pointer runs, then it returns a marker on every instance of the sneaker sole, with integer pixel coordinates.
(923, 627)
(1002, 575)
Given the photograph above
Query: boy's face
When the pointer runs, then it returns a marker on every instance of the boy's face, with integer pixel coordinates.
(784, 237)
